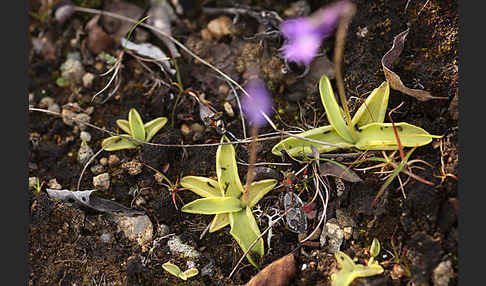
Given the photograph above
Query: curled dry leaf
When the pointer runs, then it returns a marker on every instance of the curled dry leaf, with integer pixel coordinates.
(278, 273)
(393, 79)
(335, 170)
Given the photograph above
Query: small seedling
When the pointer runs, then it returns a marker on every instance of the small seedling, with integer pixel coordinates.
(365, 131)
(177, 272)
(136, 129)
(37, 186)
(350, 270)
(224, 199)
(172, 187)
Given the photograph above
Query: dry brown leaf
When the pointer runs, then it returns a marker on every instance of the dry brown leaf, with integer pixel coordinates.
(393, 79)
(117, 28)
(160, 17)
(332, 169)
(278, 273)
(98, 40)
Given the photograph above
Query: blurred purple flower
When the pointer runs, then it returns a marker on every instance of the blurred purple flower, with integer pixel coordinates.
(258, 101)
(304, 35)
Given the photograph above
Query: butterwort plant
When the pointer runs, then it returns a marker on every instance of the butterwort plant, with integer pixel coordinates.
(366, 131)
(224, 199)
(135, 128)
(304, 35)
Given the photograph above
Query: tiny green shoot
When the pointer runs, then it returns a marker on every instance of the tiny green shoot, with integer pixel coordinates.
(177, 272)
(37, 186)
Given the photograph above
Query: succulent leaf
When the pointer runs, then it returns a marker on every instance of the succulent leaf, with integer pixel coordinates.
(205, 187)
(380, 136)
(295, 146)
(153, 126)
(244, 230)
(226, 170)
(373, 110)
(259, 189)
(333, 111)
(115, 143)
(123, 124)
(214, 205)
(136, 124)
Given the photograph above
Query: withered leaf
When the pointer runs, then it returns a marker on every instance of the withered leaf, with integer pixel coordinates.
(278, 273)
(116, 27)
(84, 200)
(160, 17)
(332, 169)
(393, 79)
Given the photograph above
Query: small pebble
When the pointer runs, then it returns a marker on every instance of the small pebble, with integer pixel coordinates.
(332, 235)
(208, 269)
(443, 273)
(85, 153)
(133, 167)
(206, 35)
(97, 169)
(82, 117)
(88, 79)
(139, 201)
(229, 109)
(348, 232)
(113, 160)
(104, 161)
(102, 182)
(223, 89)
(72, 70)
(163, 230)
(45, 102)
(106, 237)
(185, 130)
(53, 184)
(220, 27)
(138, 229)
(344, 219)
(67, 115)
(197, 128)
(85, 136)
(177, 247)
(54, 108)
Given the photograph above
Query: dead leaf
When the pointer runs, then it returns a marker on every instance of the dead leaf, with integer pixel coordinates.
(393, 79)
(160, 17)
(278, 273)
(116, 27)
(335, 170)
(84, 200)
(98, 40)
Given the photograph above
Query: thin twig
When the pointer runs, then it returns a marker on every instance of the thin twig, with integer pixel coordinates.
(86, 166)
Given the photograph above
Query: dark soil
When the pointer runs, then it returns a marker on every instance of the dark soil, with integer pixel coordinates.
(65, 244)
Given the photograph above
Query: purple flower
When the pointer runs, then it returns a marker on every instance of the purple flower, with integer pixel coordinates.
(304, 35)
(259, 101)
